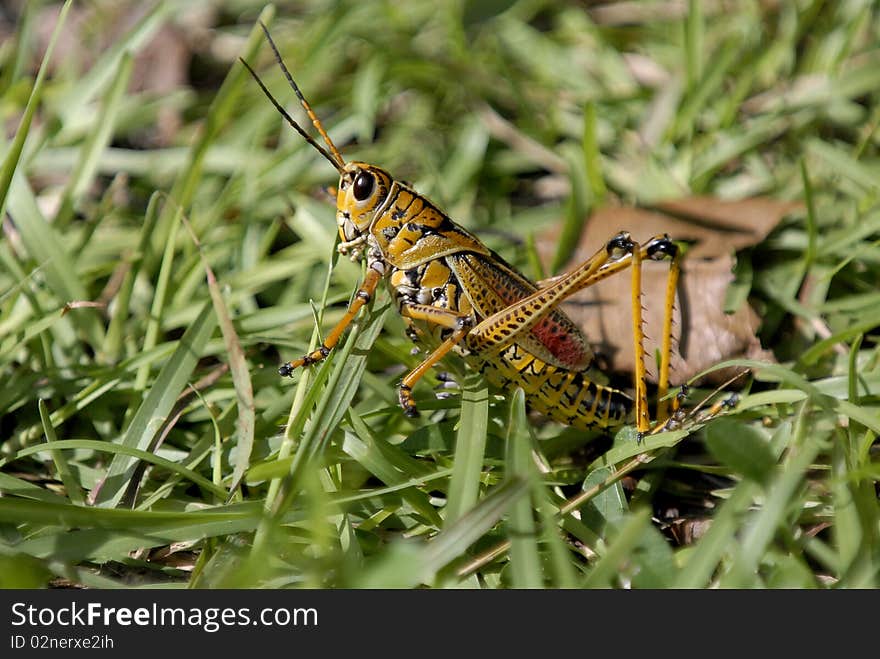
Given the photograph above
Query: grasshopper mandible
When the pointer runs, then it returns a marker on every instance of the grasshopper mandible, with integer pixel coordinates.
(455, 293)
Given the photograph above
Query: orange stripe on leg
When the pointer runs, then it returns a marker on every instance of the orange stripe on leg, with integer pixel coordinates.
(666, 348)
(643, 422)
(459, 322)
(364, 294)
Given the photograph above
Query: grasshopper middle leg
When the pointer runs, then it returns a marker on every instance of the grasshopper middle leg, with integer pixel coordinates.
(460, 324)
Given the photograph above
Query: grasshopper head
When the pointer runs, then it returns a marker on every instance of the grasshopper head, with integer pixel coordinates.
(362, 191)
(362, 187)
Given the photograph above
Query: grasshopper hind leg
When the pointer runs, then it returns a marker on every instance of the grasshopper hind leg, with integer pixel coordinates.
(656, 249)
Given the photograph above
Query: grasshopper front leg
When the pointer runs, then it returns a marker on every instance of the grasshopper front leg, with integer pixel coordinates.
(364, 294)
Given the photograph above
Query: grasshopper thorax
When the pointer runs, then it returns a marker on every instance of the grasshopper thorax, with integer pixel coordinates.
(362, 191)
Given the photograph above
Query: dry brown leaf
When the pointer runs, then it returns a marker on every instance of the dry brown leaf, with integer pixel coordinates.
(687, 531)
(718, 226)
(704, 334)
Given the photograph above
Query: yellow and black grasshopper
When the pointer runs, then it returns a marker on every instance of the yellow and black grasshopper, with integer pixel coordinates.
(456, 294)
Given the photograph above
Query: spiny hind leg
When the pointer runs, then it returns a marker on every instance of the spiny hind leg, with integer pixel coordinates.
(504, 327)
(460, 324)
(618, 254)
(663, 412)
(512, 322)
(364, 294)
(655, 249)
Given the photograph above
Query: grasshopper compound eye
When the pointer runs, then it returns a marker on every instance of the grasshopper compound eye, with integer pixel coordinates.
(363, 185)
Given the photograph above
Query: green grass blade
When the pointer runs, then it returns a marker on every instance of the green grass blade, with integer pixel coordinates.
(341, 388)
(72, 487)
(157, 405)
(75, 101)
(50, 251)
(703, 560)
(593, 157)
(220, 112)
(84, 172)
(470, 446)
(120, 449)
(113, 340)
(630, 534)
(160, 296)
(241, 379)
(694, 37)
(525, 560)
(743, 449)
(10, 162)
(106, 534)
(764, 522)
(11, 486)
(389, 464)
(410, 565)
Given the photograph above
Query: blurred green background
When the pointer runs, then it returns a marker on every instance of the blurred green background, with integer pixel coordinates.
(142, 154)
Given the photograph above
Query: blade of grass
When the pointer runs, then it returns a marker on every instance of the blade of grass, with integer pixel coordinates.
(606, 568)
(46, 246)
(105, 534)
(525, 558)
(71, 486)
(119, 449)
(410, 564)
(577, 208)
(812, 229)
(593, 157)
(221, 110)
(304, 397)
(470, 446)
(241, 379)
(157, 405)
(335, 398)
(10, 162)
(372, 452)
(97, 141)
(704, 559)
(115, 331)
(11, 486)
(76, 99)
(694, 36)
(161, 293)
(761, 528)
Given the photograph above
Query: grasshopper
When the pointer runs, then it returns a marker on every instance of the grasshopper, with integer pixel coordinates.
(455, 294)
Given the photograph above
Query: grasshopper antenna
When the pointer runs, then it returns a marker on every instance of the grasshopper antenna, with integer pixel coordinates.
(333, 156)
(302, 99)
(338, 164)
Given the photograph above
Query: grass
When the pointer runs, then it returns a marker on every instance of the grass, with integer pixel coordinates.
(147, 439)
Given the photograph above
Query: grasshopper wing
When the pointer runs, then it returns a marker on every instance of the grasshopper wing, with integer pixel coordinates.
(491, 285)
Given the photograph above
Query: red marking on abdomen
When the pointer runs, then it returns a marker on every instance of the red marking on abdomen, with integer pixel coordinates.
(567, 348)
(556, 332)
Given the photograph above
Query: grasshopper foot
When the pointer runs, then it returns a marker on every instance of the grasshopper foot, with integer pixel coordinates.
(286, 370)
(407, 402)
